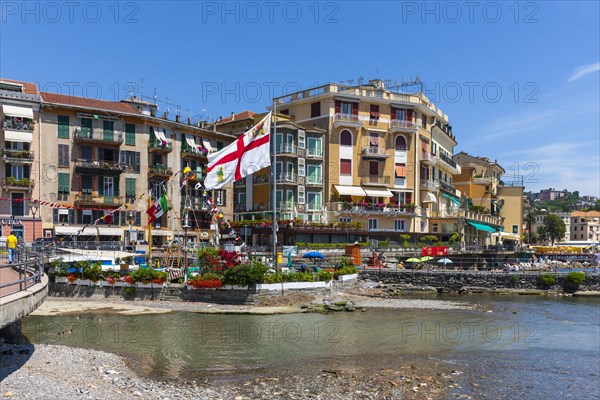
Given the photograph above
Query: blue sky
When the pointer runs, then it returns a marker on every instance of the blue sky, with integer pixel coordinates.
(519, 81)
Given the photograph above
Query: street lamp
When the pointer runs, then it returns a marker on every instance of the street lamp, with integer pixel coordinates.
(129, 221)
(34, 206)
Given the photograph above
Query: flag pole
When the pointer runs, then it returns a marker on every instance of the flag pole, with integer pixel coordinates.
(149, 261)
(274, 169)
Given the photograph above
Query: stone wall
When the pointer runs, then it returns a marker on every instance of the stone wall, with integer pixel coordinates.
(467, 281)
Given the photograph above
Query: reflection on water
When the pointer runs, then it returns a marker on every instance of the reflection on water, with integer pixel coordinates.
(547, 342)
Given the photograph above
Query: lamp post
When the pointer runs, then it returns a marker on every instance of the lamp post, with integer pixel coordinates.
(34, 206)
(129, 221)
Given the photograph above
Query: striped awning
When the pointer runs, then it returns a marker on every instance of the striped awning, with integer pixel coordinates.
(454, 199)
(481, 227)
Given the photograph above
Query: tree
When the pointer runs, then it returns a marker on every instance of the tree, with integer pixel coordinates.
(554, 227)
(530, 220)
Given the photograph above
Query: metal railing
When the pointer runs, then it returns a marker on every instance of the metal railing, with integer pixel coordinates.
(287, 148)
(28, 268)
(401, 124)
(12, 155)
(374, 180)
(22, 124)
(100, 164)
(99, 135)
(20, 183)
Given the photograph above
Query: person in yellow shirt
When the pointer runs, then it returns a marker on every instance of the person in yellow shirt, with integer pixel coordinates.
(11, 243)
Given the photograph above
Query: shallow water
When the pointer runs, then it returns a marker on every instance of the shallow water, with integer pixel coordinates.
(527, 347)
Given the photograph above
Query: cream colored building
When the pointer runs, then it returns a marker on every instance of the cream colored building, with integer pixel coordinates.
(94, 157)
(585, 226)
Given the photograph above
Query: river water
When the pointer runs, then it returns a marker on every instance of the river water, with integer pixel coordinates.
(517, 347)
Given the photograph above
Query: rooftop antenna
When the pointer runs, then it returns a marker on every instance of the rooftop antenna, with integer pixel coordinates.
(130, 89)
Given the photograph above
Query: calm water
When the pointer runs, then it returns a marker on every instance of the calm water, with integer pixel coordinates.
(526, 347)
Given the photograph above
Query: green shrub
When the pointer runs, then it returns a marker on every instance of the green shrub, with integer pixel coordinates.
(514, 278)
(129, 291)
(575, 278)
(343, 262)
(93, 272)
(273, 278)
(149, 274)
(245, 274)
(324, 276)
(346, 270)
(547, 280)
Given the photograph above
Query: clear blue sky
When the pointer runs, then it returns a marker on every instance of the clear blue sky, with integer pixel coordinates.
(519, 81)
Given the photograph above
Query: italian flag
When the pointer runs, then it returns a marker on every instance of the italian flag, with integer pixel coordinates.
(158, 209)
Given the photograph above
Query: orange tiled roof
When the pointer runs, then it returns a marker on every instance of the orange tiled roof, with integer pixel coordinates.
(585, 214)
(84, 102)
(239, 116)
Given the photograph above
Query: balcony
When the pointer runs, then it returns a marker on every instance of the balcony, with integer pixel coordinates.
(401, 125)
(157, 147)
(18, 124)
(485, 218)
(314, 181)
(426, 184)
(287, 149)
(428, 158)
(13, 183)
(313, 153)
(287, 206)
(240, 184)
(159, 171)
(448, 188)
(240, 208)
(86, 199)
(287, 178)
(449, 163)
(375, 180)
(17, 156)
(188, 152)
(358, 208)
(375, 152)
(88, 135)
(342, 119)
(447, 129)
(93, 167)
(482, 180)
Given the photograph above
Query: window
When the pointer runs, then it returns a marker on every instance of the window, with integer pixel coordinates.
(433, 148)
(301, 167)
(130, 189)
(108, 186)
(374, 168)
(345, 138)
(86, 153)
(374, 112)
(63, 155)
(373, 223)
(345, 167)
(346, 220)
(220, 197)
(63, 216)
(400, 143)
(130, 134)
(434, 228)
(424, 121)
(86, 127)
(131, 160)
(219, 146)
(399, 225)
(314, 201)
(346, 108)
(241, 199)
(315, 175)
(86, 184)
(400, 170)
(314, 147)
(515, 229)
(18, 171)
(301, 195)
(63, 126)
(315, 109)
(63, 186)
(17, 205)
(86, 216)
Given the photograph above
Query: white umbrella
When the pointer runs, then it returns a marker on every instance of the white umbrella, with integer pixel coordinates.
(445, 261)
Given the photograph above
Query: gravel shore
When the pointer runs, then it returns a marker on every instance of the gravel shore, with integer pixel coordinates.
(55, 372)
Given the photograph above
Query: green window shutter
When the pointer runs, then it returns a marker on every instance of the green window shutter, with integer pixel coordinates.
(116, 185)
(100, 186)
(130, 134)
(130, 187)
(86, 184)
(63, 126)
(63, 183)
(109, 131)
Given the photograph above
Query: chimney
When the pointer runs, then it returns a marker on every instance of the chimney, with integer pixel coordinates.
(232, 115)
(178, 118)
(152, 112)
(166, 115)
(189, 121)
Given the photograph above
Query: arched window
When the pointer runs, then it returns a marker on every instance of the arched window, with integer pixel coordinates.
(400, 143)
(346, 138)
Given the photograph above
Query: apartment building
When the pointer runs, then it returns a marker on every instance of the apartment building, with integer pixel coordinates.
(19, 171)
(98, 156)
(585, 226)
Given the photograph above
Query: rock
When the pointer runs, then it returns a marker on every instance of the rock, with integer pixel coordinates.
(137, 393)
(8, 394)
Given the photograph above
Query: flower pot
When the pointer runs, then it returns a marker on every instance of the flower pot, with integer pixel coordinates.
(122, 284)
(61, 279)
(83, 282)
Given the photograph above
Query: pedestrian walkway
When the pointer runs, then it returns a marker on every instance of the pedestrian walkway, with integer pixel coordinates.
(7, 274)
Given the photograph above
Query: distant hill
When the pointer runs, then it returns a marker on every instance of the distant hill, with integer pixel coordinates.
(570, 202)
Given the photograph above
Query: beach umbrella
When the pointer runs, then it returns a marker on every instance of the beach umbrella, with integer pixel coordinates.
(314, 254)
(426, 258)
(445, 261)
(413, 259)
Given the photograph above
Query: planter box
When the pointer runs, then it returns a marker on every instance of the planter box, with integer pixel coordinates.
(83, 282)
(234, 287)
(348, 277)
(104, 284)
(151, 285)
(293, 285)
(122, 284)
(61, 279)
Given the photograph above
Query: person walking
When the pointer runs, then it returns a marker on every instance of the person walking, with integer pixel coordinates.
(11, 243)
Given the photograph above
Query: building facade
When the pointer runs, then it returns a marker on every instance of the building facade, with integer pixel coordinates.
(585, 226)
(93, 157)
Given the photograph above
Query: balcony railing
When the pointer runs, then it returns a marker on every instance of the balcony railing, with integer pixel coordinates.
(187, 151)
(343, 119)
(160, 170)
(98, 135)
(448, 188)
(375, 151)
(428, 157)
(90, 199)
(287, 177)
(429, 185)
(314, 180)
(18, 124)
(287, 206)
(11, 182)
(447, 160)
(287, 149)
(104, 165)
(374, 180)
(386, 209)
(314, 153)
(402, 125)
(159, 147)
(17, 156)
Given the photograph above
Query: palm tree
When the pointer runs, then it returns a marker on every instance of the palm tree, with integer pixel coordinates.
(530, 220)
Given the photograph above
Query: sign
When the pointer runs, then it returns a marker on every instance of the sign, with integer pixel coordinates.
(14, 222)
(434, 251)
(290, 251)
